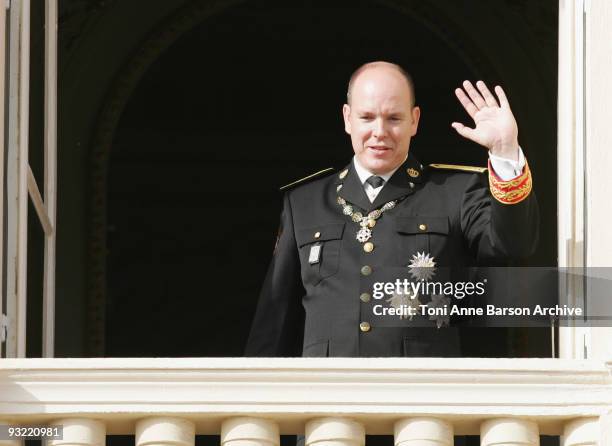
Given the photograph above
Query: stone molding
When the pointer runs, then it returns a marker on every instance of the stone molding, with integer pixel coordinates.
(292, 391)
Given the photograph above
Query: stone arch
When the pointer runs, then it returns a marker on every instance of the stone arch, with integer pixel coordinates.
(440, 19)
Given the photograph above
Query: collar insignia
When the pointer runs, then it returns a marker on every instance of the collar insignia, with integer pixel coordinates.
(413, 172)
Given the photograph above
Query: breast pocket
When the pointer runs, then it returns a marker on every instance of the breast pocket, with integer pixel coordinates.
(319, 248)
(422, 234)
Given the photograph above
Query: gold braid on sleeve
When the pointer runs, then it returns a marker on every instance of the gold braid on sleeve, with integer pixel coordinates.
(513, 191)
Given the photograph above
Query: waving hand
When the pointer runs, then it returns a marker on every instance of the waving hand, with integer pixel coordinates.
(495, 126)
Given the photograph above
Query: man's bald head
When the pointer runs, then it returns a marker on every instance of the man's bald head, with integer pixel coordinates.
(380, 116)
(380, 65)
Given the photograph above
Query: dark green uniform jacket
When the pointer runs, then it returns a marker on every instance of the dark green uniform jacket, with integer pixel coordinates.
(318, 309)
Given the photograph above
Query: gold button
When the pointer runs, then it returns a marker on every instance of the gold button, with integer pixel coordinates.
(422, 227)
(411, 185)
(343, 174)
(368, 247)
(365, 297)
(366, 270)
(365, 327)
(317, 234)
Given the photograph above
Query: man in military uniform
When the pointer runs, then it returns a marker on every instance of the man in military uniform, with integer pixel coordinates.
(386, 210)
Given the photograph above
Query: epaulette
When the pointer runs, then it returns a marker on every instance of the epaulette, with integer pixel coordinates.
(459, 168)
(308, 178)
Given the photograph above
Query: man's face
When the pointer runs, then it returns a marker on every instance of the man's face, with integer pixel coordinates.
(380, 119)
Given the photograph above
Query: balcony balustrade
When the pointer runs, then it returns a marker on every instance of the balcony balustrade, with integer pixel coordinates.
(333, 402)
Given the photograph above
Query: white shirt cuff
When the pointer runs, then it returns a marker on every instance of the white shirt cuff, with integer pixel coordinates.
(507, 169)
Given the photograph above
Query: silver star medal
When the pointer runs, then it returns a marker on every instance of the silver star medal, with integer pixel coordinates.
(410, 300)
(422, 266)
(439, 301)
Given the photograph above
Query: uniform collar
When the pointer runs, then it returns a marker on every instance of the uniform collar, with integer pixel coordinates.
(401, 183)
(364, 174)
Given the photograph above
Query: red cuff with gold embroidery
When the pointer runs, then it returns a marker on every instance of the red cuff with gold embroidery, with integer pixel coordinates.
(513, 191)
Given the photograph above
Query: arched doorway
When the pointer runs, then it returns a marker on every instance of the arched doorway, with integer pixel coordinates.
(246, 101)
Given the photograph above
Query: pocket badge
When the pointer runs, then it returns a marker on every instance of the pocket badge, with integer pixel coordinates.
(315, 254)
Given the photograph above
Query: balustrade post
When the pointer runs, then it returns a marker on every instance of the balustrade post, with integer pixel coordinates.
(509, 432)
(247, 431)
(423, 431)
(13, 442)
(581, 432)
(79, 432)
(165, 431)
(334, 432)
